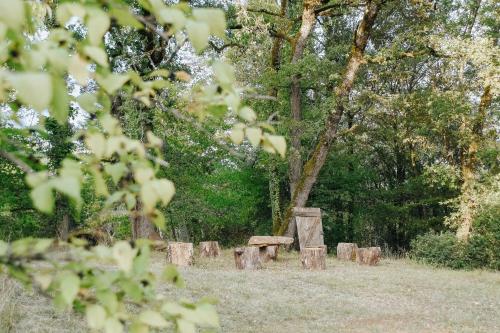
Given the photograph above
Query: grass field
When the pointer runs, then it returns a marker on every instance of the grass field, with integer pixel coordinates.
(396, 296)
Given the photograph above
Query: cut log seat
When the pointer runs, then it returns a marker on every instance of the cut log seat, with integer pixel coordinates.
(368, 256)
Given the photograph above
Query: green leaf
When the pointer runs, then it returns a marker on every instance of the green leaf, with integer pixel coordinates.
(113, 325)
(143, 175)
(33, 88)
(96, 142)
(198, 33)
(69, 284)
(87, 101)
(149, 197)
(184, 326)
(36, 178)
(96, 316)
(66, 11)
(165, 190)
(125, 18)
(78, 69)
(139, 328)
(215, 18)
(130, 201)
(116, 171)
(278, 143)
(44, 280)
(124, 255)
(171, 274)
(247, 114)
(224, 73)
(97, 25)
(12, 13)
(153, 319)
(43, 198)
(108, 299)
(97, 54)
(4, 248)
(60, 100)
(41, 245)
(159, 219)
(67, 185)
(206, 315)
(254, 134)
(172, 16)
(237, 135)
(112, 82)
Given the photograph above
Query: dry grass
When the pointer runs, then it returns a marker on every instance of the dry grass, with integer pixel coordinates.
(396, 296)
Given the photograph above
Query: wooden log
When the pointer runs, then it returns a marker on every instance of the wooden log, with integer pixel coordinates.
(313, 258)
(268, 253)
(247, 257)
(180, 254)
(209, 249)
(346, 251)
(368, 255)
(269, 240)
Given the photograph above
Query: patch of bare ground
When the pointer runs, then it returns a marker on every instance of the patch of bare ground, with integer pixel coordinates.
(396, 296)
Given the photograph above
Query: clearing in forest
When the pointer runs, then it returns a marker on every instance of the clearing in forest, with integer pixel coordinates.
(395, 296)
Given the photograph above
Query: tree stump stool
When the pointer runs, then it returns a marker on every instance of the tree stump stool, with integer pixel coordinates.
(247, 257)
(368, 255)
(209, 249)
(313, 258)
(346, 251)
(180, 254)
(269, 252)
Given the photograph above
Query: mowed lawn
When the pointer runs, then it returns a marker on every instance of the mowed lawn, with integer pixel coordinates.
(396, 296)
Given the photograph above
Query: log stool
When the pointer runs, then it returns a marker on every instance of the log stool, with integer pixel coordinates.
(247, 257)
(180, 254)
(313, 258)
(346, 251)
(368, 255)
(209, 249)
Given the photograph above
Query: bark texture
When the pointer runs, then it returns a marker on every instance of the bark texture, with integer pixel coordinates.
(209, 249)
(180, 254)
(346, 251)
(368, 255)
(313, 166)
(247, 257)
(469, 166)
(299, 44)
(313, 258)
(268, 253)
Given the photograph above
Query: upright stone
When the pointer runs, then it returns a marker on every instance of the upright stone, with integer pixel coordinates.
(368, 255)
(346, 251)
(209, 249)
(309, 226)
(180, 254)
(247, 257)
(313, 258)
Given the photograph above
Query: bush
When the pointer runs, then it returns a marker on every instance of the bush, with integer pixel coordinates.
(445, 250)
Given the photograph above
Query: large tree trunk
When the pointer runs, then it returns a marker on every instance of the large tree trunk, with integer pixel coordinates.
(142, 227)
(295, 159)
(469, 168)
(318, 157)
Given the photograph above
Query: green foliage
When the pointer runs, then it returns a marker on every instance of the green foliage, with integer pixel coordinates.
(112, 299)
(445, 250)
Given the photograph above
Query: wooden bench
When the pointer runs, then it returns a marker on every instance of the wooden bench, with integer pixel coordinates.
(268, 245)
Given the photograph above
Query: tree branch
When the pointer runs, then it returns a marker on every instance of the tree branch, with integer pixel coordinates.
(18, 162)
